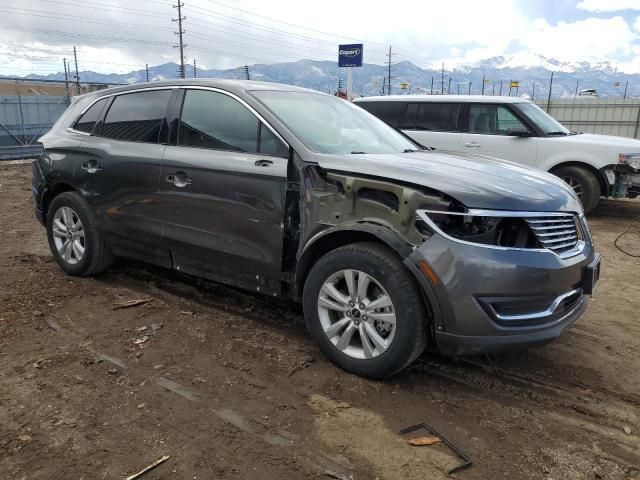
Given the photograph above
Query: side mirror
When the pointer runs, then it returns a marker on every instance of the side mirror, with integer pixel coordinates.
(518, 132)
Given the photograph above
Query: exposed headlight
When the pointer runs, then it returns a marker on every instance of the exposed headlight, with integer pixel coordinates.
(481, 227)
(631, 159)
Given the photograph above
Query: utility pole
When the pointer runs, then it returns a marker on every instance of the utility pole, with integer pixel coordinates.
(500, 93)
(493, 88)
(483, 81)
(458, 89)
(195, 69)
(626, 85)
(431, 84)
(533, 92)
(146, 67)
(442, 92)
(577, 82)
(550, 87)
(449, 87)
(179, 33)
(389, 55)
(66, 77)
(246, 72)
(75, 59)
(470, 88)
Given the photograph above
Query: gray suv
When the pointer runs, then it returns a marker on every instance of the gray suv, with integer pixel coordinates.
(391, 248)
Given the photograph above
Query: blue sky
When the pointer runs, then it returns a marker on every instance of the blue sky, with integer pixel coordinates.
(123, 35)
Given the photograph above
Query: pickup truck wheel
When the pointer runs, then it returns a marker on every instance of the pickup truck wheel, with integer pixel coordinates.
(584, 183)
(74, 239)
(364, 310)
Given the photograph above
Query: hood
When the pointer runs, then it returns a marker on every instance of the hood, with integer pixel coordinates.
(476, 181)
(621, 144)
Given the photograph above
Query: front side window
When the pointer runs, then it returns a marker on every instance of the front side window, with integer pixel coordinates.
(490, 119)
(327, 124)
(546, 123)
(89, 118)
(136, 117)
(219, 122)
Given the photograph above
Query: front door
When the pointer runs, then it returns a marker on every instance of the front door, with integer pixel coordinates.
(120, 170)
(223, 192)
(492, 131)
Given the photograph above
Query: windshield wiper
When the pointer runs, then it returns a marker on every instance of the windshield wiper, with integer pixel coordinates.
(357, 153)
(409, 150)
(557, 133)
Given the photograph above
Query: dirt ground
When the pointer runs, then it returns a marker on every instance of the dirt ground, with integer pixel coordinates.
(229, 385)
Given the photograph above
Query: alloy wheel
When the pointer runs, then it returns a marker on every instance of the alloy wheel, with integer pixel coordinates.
(575, 184)
(68, 235)
(356, 314)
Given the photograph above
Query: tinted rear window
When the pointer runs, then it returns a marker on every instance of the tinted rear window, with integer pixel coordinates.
(390, 112)
(136, 117)
(437, 117)
(89, 118)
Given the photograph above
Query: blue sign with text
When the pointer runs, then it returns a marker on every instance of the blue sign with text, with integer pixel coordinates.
(350, 55)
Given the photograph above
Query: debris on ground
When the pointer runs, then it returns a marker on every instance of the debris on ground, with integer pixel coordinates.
(627, 429)
(466, 461)
(148, 469)
(301, 365)
(141, 341)
(423, 441)
(132, 303)
(336, 475)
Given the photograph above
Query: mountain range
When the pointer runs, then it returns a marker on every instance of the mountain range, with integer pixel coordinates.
(530, 70)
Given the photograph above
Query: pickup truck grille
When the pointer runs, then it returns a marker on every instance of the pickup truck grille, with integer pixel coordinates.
(558, 233)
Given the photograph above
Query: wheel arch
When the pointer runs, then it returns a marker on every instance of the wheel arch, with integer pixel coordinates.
(602, 180)
(55, 190)
(332, 238)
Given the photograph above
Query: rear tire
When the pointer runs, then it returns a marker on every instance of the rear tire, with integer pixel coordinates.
(74, 238)
(584, 183)
(378, 346)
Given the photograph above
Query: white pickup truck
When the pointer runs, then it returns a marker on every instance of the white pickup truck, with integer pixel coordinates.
(516, 129)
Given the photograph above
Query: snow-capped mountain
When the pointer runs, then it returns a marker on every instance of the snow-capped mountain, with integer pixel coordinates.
(531, 70)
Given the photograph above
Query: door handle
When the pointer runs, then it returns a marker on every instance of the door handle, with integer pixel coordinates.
(179, 179)
(263, 163)
(92, 166)
(472, 144)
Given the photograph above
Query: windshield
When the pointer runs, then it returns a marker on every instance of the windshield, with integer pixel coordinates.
(546, 123)
(327, 124)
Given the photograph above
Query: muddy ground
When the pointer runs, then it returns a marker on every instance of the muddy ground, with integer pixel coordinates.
(229, 385)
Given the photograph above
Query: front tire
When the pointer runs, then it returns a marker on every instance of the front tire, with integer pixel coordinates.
(364, 310)
(74, 238)
(584, 183)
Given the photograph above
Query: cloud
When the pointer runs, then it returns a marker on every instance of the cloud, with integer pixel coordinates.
(609, 5)
(221, 34)
(592, 39)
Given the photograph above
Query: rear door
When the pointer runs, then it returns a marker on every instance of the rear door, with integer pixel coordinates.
(223, 189)
(488, 132)
(433, 124)
(120, 171)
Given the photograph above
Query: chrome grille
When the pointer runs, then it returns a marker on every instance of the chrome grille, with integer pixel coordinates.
(558, 233)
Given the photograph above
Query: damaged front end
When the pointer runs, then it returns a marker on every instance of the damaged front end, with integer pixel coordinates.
(623, 178)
